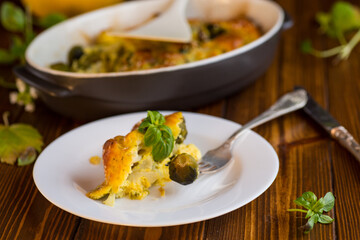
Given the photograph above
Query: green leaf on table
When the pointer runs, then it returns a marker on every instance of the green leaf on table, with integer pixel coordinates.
(306, 46)
(310, 223)
(51, 19)
(6, 57)
(344, 17)
(315, 207)
(18, 47)
(329, 201)
(12, 17)
(325, 219)
(15, 140)
(307, 200)
(340, 22)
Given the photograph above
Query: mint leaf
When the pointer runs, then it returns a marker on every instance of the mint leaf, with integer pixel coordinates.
(316, 209)
(311, 222)
(329, 201)
(12, 17)
(310, 197)
(318, 206)
(307, 200)
(325, 219)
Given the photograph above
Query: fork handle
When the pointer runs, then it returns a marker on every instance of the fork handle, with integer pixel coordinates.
(288, 103)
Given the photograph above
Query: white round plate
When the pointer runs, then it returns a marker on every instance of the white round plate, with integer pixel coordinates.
(63, 174)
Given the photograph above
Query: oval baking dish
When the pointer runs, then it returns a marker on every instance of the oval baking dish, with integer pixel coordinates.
(91, 96)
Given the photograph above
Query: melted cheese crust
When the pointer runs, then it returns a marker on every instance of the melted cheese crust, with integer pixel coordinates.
(129, 167)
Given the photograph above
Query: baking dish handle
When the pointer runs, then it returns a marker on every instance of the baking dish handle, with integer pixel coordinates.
(52, 89)
(288, 21)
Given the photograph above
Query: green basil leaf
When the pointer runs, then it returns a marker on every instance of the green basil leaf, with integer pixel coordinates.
(159, 118)
(158, 136)
(168, 138)
(160, 151)
(51, 19)
(329, 201)
(318, 206)
(325, 219)
(12, 17)
(6, 57)
(166, 131)
(151, 116)
(152, 136)
(163, 148)
(144, 125)
(156, 118)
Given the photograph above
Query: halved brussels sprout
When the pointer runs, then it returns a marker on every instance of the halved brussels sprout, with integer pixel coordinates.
(183, 132)
(183, 169)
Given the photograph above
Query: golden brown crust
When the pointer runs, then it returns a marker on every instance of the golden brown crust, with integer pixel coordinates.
(173, 121)
(119, 154)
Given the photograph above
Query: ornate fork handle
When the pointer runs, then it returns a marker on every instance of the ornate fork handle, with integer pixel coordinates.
(346, 140)
(288, 103)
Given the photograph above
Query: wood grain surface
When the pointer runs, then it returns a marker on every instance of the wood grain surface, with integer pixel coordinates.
(309, 159)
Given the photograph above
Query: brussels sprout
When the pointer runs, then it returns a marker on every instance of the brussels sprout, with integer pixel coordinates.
(183, 169)
(75, 54)
(183, 132)
(215, 30)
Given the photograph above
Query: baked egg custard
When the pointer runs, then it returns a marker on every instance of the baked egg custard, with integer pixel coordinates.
(152, 154)
(108, 53)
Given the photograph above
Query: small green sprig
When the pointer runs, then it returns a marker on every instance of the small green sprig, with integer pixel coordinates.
(342, 19)
(157, 135)
(315, 209)
(20, 24)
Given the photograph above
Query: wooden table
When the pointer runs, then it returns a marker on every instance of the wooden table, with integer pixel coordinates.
(309, 159)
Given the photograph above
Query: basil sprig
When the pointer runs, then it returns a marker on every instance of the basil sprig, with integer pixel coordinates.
(157, 135)
(315, 209)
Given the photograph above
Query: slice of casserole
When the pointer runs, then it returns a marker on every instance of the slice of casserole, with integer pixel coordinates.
(132, 165)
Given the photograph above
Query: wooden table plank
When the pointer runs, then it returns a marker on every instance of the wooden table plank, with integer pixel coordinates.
(344, 102)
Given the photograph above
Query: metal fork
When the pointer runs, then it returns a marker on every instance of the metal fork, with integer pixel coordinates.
(218, 158)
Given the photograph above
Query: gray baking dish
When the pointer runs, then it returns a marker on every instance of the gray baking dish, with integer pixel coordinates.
(91, 96)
